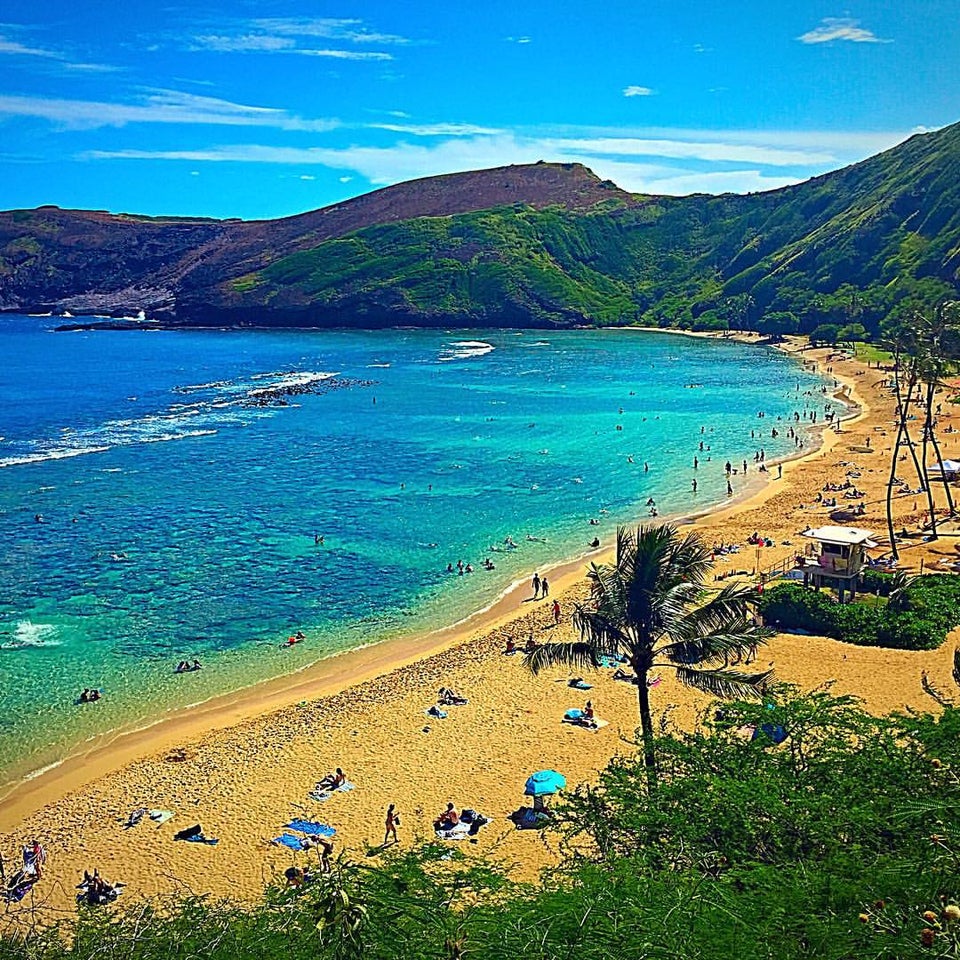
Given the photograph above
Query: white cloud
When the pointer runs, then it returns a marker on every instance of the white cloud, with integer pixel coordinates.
(675, 162)
(307, 176)
(517, 39)
(346, 54)
(634, 91)
(162, 106)
(840, 28)
(351, 31)
(14, 48)
(725, 151)
(293, 35)
(437, 129)
(246, 43)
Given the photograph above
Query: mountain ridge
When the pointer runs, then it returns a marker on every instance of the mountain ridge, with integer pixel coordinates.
(526, 245)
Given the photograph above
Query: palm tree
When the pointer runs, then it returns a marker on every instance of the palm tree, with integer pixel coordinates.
(652, 607)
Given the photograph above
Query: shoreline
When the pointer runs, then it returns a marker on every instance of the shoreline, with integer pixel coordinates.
(339, 672)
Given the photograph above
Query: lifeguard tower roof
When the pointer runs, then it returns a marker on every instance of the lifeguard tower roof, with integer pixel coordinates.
(841, 535)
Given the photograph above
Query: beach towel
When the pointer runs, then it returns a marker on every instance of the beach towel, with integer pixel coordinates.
(288, 840)
(579, 684)
(200, 838)
(321, 796)
(526, 818)
(160, 816)
(459, 832)
(311, 827)
(575, 718)
(436, 712)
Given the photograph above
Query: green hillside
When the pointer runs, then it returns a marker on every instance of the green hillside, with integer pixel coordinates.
(875, 238)
(535, 245)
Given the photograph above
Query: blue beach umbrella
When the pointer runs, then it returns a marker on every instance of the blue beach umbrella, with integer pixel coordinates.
(544, 782)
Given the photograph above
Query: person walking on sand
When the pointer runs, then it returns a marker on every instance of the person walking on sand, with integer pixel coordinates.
(536, 586)
(556, 611)
(391, 823)
(544, 588)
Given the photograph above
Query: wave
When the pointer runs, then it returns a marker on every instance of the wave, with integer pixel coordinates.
(54, 454)
(465, 350)
(29, 634)
(211, 405)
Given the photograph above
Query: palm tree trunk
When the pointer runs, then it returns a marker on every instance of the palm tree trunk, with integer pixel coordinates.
(893, 462)
(931, 388)
(911, 446)
(646, 728)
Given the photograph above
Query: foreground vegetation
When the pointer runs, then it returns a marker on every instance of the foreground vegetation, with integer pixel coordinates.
(843, 841)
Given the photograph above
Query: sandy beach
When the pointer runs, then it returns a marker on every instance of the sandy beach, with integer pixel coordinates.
(243, 765)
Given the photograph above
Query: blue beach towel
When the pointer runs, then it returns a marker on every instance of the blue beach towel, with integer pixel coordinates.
(311, 827)
(580, 685)
(573, 715)
(436, 712)
(288, 840)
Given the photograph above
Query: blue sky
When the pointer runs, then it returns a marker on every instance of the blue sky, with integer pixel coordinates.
(275, 107)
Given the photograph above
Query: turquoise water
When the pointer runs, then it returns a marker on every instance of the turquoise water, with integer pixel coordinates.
(178, 518)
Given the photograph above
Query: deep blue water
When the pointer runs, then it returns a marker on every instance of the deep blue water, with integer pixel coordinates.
(178, 520)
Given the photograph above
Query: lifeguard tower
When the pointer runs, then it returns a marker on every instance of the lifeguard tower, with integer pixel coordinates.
(836, 558)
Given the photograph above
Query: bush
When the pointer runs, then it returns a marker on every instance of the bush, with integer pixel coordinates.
(919, 618)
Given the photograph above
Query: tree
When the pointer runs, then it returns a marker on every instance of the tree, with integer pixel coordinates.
(825, 333)
(853, 333)
(779, 323)
(652, 607)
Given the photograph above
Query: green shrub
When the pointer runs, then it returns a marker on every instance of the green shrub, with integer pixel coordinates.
(919, 617)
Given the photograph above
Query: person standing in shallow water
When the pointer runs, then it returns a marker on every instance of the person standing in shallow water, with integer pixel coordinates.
(536, 586)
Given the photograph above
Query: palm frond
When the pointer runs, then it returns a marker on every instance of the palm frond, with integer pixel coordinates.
(739, 638)
(726, 684)
(731, 605)
(575, 654)
(600, 631)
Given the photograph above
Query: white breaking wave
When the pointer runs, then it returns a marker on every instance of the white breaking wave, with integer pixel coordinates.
(465, 350)
(232, 402)
(29, 634)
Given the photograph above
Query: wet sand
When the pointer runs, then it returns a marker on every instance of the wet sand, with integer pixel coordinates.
(250, 760)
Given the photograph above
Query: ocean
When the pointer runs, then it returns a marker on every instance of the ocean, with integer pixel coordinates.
(163, 494)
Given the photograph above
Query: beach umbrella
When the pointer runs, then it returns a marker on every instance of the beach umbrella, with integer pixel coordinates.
(544, 782)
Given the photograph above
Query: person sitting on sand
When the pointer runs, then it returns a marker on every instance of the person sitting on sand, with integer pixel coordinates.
(449, 818)
(511, 646)
(298, 877)
(531, 644)
(619, 674)
(332, 781)
(587, 717)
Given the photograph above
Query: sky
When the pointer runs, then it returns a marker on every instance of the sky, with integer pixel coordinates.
(270, 108)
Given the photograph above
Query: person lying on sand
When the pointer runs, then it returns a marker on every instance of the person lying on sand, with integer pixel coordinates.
(447, 698)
